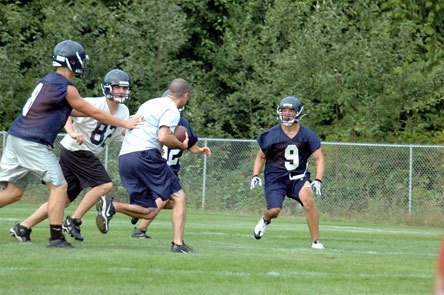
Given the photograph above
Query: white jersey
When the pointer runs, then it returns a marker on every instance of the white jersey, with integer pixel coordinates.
(96, 134)
(156, 112)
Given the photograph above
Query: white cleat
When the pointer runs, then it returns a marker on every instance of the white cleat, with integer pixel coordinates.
(260, 228)
(317, 245)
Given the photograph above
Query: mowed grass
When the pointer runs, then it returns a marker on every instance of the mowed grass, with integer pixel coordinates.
(359, 259)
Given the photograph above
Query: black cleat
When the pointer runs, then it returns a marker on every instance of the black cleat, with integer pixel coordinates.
(59, 243)
(139, 233)
(134, 220)
(181, 248)
(72, 226)
(21, 233)
(105, 211)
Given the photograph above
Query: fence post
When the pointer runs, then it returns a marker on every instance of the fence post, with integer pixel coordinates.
(410, 177)
(204, 178)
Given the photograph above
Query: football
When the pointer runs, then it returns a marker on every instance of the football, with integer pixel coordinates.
(179, 132)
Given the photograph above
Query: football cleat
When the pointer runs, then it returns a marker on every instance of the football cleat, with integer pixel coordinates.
(139, 233)
(317, 245)
(72, 226)
(105, 211)
(134, 220)
(21, 233)
(59, 243)
(181, 248)
(260, 228)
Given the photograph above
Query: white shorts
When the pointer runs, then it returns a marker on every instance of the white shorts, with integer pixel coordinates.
(21, 159)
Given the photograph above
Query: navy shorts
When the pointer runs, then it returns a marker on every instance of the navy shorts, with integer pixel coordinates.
(276, 191)
(146, 176)
(82, 169)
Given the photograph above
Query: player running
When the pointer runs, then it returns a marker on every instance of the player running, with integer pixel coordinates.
(143, 171)
(86, 138)
(172, 156)
(30, 141)
(285, 149)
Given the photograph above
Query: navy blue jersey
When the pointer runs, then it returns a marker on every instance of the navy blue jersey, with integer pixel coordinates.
(287, 156)
(45, 113)
(173, 155)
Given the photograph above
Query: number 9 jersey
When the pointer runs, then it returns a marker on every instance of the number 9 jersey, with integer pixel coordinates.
(96, 134)
(287, 157)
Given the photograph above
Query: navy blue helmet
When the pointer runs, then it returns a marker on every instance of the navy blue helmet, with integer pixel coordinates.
(290, 102)
(70, 54)
(116, 77)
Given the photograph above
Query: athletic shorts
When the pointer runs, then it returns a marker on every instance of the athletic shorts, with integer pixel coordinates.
(23, 159)
(146, 176)
(276, 191)
(82, 169)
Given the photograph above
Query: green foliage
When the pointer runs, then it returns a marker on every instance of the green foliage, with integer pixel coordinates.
(365, 70)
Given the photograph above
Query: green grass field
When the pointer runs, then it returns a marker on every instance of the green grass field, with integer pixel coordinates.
(359, 259)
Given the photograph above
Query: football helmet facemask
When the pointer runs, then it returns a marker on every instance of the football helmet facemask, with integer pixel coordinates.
(70, 54)
(116, 77)
(293, 103)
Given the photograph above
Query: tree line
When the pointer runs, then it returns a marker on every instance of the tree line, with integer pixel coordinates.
(368, 70)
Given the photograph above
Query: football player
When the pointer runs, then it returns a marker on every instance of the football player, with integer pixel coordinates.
(172, 156)
(284, 150)
(144, 173)
(85, 139)
(30, 141)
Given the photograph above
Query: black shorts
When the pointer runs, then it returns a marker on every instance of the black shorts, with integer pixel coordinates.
(82, 169)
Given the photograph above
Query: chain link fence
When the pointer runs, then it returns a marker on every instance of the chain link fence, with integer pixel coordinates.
(372, 182)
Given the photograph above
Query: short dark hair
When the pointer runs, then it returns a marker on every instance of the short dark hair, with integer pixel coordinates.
(178, 87)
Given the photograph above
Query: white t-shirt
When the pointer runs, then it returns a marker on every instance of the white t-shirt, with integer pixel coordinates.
(156, 112)
(97, 135)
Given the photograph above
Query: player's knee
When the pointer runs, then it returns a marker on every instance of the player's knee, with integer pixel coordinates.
(150, 213)
(61, 188)
(16, 196)
(309, 204)
(12, 193)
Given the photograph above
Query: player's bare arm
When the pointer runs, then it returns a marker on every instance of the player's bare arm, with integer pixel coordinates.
(166, 137)
(195, 149)
(76, 113)
(78, 103)
(259, 162)
(69, 128)
(318, 156)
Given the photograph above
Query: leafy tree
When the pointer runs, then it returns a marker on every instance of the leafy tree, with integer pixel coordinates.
(365, 70)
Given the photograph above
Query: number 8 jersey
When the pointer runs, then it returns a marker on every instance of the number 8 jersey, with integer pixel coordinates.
(287, 157)
(97, 135)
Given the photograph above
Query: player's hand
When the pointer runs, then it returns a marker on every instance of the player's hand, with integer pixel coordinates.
(316, 186)
(133, 122)
(78, 137)
(206, 151)
(255, 181)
